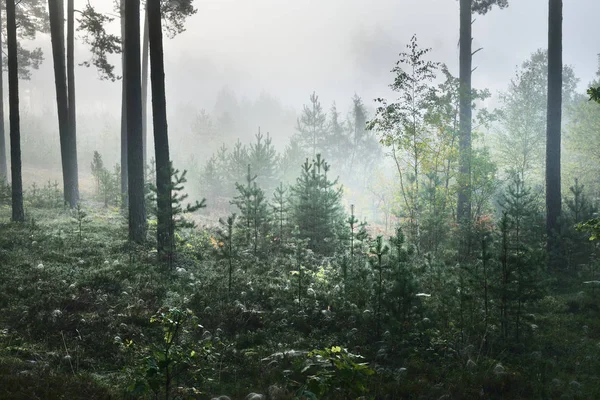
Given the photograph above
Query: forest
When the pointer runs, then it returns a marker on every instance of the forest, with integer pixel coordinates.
(438, 240)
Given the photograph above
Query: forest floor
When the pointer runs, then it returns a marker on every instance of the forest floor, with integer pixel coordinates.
(84, 315)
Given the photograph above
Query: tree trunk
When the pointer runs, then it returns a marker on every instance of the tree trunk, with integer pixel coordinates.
(72, 110)
(464, 190)
(135, 162)
(18, 213)
(161, 137)
(553, 120)
(145, 43)
(57, 35)
(123, 111)
(3, 163)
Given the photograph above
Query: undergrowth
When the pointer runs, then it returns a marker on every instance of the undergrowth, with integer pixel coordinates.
(84, 315)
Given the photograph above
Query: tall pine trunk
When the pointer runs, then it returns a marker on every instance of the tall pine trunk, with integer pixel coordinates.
(124, 174)
(72, 110)
(18, 213)
(553, 120)
(161, 138)
(68, 152)
(135, 159)
(145, 45)
(3, 162)
(466, 56)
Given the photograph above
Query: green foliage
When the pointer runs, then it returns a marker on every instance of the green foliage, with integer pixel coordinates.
(102, 44)
(108, 182)
(578, 250)
(420, 129)
(400, 298)
(482, 7)
(88, 308)
(594, 93)
(378, 250)
(520, 282)
(225, 168)
(170, 357)
(582, 160)
(5, 192)
(592, 227)
(316, 207)
(253, 222)
(178, 197)
(292, 158)
(48, 196)
(280, 208)
(334, 373)
(522, 137)
(79, 217)
(224, 245)
(263, 160)
(97, 167)
(312, 132)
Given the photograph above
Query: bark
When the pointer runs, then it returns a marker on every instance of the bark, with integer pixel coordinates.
(72, 110)
(68, 152)
(466, 56)
(135, 162)
(18, 213)
(161, 138)
(123, 111)
(3, 162)
(145, 45)
(553, 195)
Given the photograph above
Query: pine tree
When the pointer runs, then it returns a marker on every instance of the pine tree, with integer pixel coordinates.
(224, 243)
(312, 127)
(578, 249)
(401, 296)
(365, 149)
(521, 255)
(253, 220)
(292, 159)
(280, 207)
(97, 169)
(263, 160)
(337, 134)
(237, 163)
(316, 207)
(378, 250)
(212, 179)
(351, 221)
(174, 220)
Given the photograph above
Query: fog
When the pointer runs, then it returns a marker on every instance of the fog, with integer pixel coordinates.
(269, 51)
